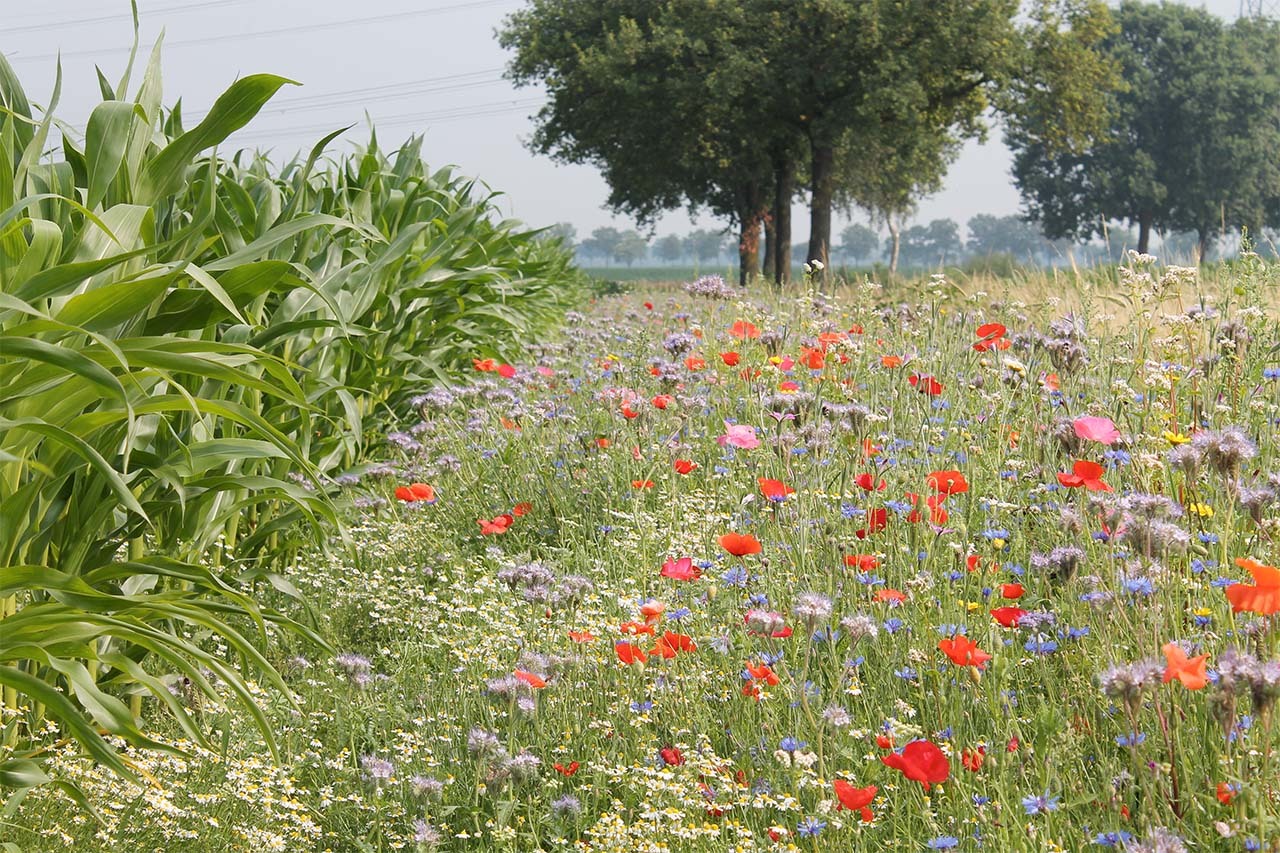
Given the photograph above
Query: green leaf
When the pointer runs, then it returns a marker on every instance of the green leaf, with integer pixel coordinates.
(105, 140)
(231, 111)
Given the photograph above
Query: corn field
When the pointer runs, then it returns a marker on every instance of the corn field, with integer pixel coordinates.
(194, 350)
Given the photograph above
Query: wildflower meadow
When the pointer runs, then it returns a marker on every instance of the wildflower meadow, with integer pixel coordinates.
(716, 570)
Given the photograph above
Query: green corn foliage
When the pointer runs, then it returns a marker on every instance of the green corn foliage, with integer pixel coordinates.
(191, 348)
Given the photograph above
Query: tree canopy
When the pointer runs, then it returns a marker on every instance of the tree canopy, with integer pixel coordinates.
(725, 106)
(1192, 136)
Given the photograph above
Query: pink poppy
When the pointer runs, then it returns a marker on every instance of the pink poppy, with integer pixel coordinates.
(741, 436)
(1092, 428)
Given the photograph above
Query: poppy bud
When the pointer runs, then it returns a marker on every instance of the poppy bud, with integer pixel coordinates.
(712, 592)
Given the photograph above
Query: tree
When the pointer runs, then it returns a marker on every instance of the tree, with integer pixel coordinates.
(887, 177)
(931, 245)
(1005, 235)
(562, 231)
(669, 248)
(661, 139)
(603, 243)
(631, 247)
(858, 242)
(705, 245)
(1190, 139)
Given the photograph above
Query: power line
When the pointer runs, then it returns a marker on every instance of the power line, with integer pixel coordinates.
(434, 117)
(284, 31)
(106, 19)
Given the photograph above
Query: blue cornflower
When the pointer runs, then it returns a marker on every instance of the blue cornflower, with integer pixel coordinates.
(944, 842)
(679, 613)
(1113, 839)
(810, 827)
(1040, 803)
(1139, 586)
(850, 511)
(1131, 739)
(893, 625)
(1041, 645)
(790, 744)
(642, 707)
(736, 576)
(906, 673)
(1271, 373)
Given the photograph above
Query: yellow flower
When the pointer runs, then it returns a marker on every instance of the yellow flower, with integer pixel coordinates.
(1202, 510)
(1175, 438)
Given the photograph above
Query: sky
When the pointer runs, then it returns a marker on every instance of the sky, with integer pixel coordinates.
(431, 67)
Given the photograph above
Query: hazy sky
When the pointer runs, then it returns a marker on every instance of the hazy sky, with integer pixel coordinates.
(430, 67)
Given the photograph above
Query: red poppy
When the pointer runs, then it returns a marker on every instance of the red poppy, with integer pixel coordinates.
(774, 490)
(868, 483)
(920, 761)
(948, 482)
(973, 562)
(493, 526)
(1084, 473)
(730, 358)
(1261, 597)
(1226, 793)
(972, 758)
(506, 371)
(670, 644)
(742, 330)
(603, 443)
(537, 682)
(628, 412)
(1012, 591)
(484, 365)
(891, 361)
(582, 636)
(682, 569)
(812, 358)
(635, 629)
(740, 544)
(629, 653)
(763, 672)
(855, 799)
(992, 337)
(884, 741)
(648, 306)
(695, 363)
(671, 756)
(963, 651)
(925, 384)
(892, 596)
(861, 562)
(877, 520)
(566, 769)
(642, 484)
(1008, 616)
(662, 401)
(685, 466)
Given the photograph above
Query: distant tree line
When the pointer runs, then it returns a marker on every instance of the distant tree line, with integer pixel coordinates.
(923, 246)
(1162, 117)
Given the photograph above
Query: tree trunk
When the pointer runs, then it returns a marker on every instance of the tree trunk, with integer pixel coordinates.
(770, 245)
(895, 233)
(749, 249)
(1144, 232)
(1202, 246)
(784, 188)
(821, 192)
(750, 214)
